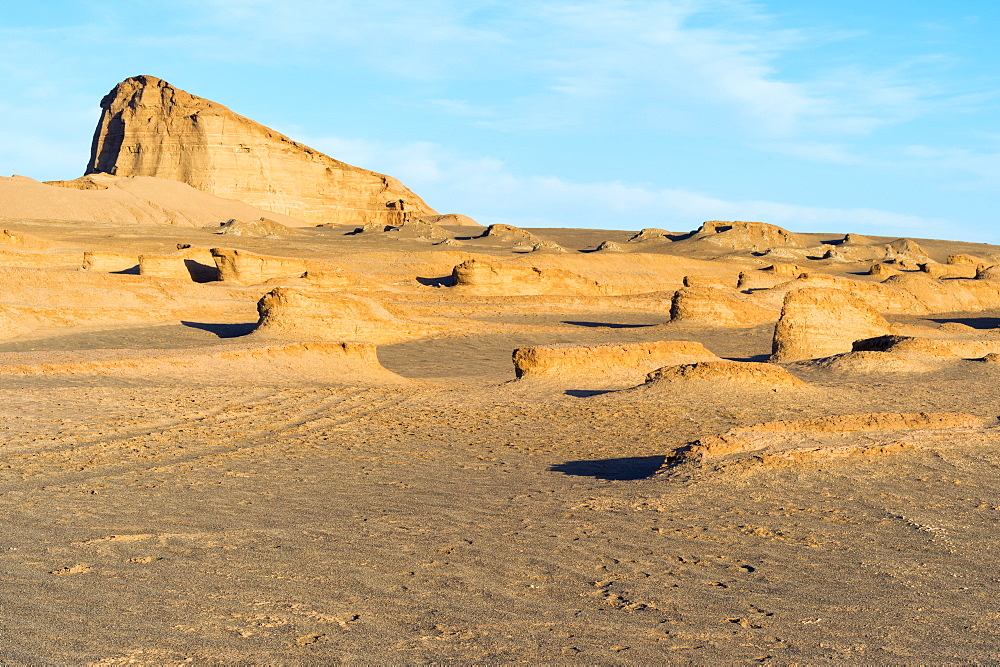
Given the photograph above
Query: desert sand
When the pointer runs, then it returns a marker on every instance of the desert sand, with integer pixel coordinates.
(235, 432)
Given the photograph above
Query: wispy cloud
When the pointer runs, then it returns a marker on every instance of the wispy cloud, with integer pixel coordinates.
(489, 191)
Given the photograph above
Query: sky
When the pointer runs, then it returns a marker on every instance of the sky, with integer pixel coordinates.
(876, 118)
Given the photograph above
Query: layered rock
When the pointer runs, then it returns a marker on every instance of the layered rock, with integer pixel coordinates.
(733, 374)
(247, 268)
(717, 307)
(150, 128)
(491, 278)
(743, 235)
(253, 363)
(821, 322)
(605, 364)
(822, 438)
(287, 313)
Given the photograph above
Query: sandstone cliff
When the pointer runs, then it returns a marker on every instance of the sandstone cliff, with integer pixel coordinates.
(150, 128)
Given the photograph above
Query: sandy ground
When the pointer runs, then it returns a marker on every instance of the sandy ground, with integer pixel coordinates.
(467, 518)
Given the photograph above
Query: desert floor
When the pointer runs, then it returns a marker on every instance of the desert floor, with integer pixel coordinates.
(462, 516)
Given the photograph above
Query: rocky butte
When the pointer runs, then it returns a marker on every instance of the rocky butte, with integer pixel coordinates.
(150, 128)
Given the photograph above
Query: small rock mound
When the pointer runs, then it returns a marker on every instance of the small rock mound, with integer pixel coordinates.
(820, 322)
(882, 270)
(781, 443)
(869, 363)
(510, 234)
(964, 347)
(717, 282)
(450, 219)
(263, 228)
(492, 278)
(609, 246)
(247, 268)
(906, 249)
(108, 262)
(969, 260)
(989, 273)
(650, 234)
(604, 365)
(736, 374)
(744, 235)
(254, 363)
(14, 239)
(856, 239)
(717, 307)
(548, 246)
(294, 314)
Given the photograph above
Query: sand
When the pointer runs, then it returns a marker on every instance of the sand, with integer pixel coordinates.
(178, 488)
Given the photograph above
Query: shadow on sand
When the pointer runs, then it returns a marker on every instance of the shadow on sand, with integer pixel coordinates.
(974, 322)
(608, 325)
(224, 330)
(631, 468)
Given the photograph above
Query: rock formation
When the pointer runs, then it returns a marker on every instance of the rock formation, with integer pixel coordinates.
(820, 322)
(491, 278)
(626, 364)
(650, 234)
(252, 363)
(247, 268)
(742, 235)
(150, 128)
(263, 228)
(287, 313)
(717, 307)
(822, 438)
(731, 374)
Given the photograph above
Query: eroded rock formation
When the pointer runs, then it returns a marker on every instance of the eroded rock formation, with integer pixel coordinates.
(150, 128)
(820, 322)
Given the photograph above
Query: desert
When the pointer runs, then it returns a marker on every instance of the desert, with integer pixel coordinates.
(261, 406)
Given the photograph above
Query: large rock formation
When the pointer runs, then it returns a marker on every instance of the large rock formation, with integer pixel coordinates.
(819, 322)
(294, 314)
(150, 128)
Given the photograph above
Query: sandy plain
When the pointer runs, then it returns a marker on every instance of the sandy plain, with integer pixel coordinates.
(178, 488)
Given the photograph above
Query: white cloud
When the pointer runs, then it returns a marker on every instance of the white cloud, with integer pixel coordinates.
(487, 190)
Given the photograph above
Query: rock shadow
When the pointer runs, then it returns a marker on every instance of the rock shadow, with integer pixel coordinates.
(624, 469)
(585, 393)
(974, 322)
(132, 271)
(608, 325)
(201, 273)
(223, 330)
(444, 281)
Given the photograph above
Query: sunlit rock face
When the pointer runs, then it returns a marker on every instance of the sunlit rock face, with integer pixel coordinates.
(150, 128)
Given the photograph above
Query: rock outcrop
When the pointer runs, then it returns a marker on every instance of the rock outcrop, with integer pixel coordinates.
(650, 234)
(492, 278)
(725, 374)
(717, 307)
(247, 268)
(254, 363)
(742, 235)
(287, 313)
(150, 128)
(263, 228)
(605, 365)
(780, 443)
(821, 322)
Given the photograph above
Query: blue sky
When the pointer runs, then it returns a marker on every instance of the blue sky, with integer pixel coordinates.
(879, 118)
